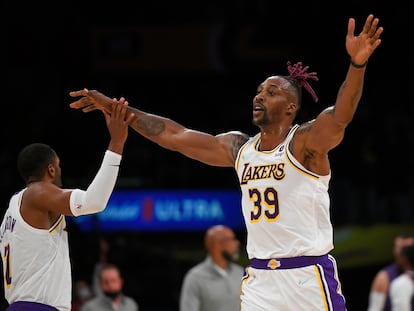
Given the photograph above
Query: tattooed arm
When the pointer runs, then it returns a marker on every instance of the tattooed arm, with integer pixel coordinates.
(219, 150)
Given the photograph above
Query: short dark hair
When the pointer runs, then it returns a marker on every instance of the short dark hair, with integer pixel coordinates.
(296, 87)
(33, 161)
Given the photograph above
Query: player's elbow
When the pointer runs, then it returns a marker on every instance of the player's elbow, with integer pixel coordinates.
(94, 205)
(82, 203)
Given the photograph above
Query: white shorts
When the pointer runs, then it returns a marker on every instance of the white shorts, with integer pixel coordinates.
(300, 283)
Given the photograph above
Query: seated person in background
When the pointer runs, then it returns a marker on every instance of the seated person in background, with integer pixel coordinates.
(82, 293)
(402, 287)
(111, 284)
(379, 299)
(215, 283)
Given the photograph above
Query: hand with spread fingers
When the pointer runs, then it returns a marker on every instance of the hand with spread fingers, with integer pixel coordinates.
(91, 100)
(362, 46)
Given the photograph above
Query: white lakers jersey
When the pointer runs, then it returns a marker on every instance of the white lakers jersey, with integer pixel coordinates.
(36, 264)
(285, 206)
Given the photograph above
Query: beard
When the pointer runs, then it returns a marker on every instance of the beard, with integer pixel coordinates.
(112, 295)
(231, 257)
(261, 121)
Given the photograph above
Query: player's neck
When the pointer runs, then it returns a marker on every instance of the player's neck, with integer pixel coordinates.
(271, 138)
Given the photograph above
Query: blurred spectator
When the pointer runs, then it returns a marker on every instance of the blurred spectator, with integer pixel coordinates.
(104, 249)
(402, 287)
(112, 298)
(214, 284)
(379, 299)
(82, 294)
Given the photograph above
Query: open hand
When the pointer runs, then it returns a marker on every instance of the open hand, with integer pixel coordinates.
(362, 46)
(92, 100)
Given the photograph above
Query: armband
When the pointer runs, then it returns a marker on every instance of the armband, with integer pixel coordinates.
(96, 197)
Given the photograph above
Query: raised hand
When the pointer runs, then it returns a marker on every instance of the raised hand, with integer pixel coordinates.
(362, 46)
(92, 100)
(118, 123)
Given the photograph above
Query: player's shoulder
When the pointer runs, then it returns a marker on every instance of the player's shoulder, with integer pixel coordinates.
(235, 135)
(305, 127)
(234, 139)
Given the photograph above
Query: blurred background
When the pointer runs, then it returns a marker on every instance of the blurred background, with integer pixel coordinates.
(200, 63)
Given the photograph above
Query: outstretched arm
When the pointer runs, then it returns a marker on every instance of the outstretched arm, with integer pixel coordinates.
(329, 127)
(45, 201)
(219, 150)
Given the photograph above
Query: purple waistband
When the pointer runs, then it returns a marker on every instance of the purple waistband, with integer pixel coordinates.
(287, 263)
(30, 306)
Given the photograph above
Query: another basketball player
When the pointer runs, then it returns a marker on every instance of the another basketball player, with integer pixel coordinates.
(33, 235)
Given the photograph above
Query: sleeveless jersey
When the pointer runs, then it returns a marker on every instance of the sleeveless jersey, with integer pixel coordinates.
(401, 292)
(393, 272)
(285, 206)
(36, 263)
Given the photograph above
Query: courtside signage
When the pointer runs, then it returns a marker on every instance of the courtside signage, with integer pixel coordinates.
(159, 210)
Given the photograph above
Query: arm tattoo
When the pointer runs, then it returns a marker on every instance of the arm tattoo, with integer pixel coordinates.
(236, 142)
(305, 127)
(150, 126)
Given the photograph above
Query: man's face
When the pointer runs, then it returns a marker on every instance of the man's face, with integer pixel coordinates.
(111, 281)
(230, 246)
(400, 242)
(271, 101)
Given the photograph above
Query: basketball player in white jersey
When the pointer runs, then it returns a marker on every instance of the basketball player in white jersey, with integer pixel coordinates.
(284, 173)
(33, 235)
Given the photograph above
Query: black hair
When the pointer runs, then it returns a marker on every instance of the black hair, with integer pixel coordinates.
(33, 160)
(297, 88)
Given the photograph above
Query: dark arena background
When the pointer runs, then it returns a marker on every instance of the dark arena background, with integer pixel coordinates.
(199, 63)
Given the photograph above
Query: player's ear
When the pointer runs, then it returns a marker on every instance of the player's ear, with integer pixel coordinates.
(51, 169)
(292, 107)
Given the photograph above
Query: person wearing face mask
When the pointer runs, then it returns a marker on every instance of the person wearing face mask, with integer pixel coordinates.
(112, 297)
(214, 284)
(82, 293)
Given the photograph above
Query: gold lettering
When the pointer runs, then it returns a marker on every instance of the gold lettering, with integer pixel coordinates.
(276, 171)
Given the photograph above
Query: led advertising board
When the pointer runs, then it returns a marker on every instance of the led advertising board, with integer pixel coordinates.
(166, 210)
